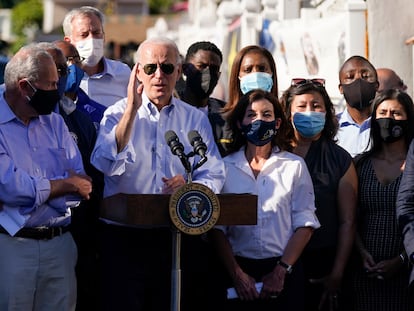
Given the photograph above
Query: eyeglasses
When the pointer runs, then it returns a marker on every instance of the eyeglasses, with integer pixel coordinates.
(74, 59)
(166, 68)
(301, 81)
(63, 71)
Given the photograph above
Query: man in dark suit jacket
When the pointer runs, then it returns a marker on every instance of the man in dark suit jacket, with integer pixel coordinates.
(405, 214)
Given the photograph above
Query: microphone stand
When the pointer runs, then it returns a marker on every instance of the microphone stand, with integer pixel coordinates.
(176, 254)
(176, 239)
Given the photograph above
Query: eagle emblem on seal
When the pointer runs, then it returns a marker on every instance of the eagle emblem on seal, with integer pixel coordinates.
(195, 209)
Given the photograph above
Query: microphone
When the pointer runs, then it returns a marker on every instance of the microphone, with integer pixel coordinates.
(199, 146)
(174, 143)
(196, 141)
(177, 148)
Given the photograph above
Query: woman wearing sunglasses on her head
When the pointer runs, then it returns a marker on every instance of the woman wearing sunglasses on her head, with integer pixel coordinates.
(266, 253)
(309, 108)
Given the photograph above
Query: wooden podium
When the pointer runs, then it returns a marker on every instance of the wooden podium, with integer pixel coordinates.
(153, 210)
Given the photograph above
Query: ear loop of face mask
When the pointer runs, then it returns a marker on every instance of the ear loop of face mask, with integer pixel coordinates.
(32, 87)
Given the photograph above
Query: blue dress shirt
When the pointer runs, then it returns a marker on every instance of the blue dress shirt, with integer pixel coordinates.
(30, 156)
(109, 86)
(351, 136)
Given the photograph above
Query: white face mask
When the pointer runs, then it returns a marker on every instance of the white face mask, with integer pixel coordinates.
(92, 50)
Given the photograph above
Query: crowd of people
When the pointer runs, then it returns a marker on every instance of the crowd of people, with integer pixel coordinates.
(335, 190)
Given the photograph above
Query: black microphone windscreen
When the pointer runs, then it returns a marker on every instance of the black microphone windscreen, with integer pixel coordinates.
(193, 136)
(170, 136)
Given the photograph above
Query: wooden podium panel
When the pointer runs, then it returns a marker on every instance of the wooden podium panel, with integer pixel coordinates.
(153, 209)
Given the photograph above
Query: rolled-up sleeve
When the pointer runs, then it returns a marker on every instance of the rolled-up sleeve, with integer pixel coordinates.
(303, 200)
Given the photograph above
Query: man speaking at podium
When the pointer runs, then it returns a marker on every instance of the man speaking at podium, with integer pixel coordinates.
(132, 152)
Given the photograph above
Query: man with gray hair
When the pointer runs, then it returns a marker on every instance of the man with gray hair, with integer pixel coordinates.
(105, 80)
(41, 177)
(133, 155)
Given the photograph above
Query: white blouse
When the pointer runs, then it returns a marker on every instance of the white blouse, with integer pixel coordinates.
(285, 202)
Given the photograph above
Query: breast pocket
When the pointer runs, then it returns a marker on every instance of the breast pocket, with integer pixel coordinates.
(52, 162)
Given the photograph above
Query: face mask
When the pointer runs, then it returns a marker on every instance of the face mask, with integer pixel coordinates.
(92, 50)
(259, 132)
(62, 85)
(360, 93)
(309, 123)
(256, 80)
(201, 82)
(74, 79)
(43, 101)
(391, 130)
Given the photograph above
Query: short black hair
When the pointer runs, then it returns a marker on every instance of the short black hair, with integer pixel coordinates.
(205, 46)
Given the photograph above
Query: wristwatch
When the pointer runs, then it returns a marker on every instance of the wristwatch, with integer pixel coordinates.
(288, 267)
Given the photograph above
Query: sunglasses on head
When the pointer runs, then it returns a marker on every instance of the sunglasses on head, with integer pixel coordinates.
(301, 81)
(166, 68)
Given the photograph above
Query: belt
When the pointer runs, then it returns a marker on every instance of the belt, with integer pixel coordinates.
(39, 233)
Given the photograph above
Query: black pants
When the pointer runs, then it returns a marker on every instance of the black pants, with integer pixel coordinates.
(317, 264)
(411, 296)
(136, 270)
(85, 231)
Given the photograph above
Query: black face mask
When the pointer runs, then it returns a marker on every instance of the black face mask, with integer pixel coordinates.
(360, 93)
(391, 130)
(43, 101)
(200, 82)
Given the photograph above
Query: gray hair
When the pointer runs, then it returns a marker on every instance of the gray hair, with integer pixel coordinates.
(48, 46)
(82, 11)
(160, 41)
(28, 63)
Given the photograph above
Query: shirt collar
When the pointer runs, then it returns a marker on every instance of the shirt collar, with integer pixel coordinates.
(109, 69)
(152, 109)
(6, 114)
(240, 159)
(345, 119)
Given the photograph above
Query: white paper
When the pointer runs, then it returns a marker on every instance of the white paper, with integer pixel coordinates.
(232, 294)
(73, 201)
(11, 219)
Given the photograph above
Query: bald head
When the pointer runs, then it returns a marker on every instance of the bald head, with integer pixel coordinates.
(69, 51)
(388, 79)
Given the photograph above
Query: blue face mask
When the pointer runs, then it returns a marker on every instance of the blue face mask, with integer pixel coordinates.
(74, 79)
(62, 85)
(256, 80)
(259, 132)
(309, 123)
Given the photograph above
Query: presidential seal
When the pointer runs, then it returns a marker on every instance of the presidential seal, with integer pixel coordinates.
(194, 209)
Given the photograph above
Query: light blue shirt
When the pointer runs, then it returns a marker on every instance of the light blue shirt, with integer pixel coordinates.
(109, 86)
(30, 156)
(351, 136)
(140, 166)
